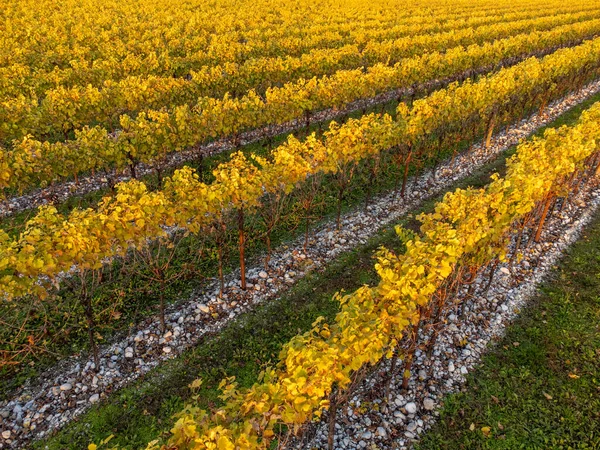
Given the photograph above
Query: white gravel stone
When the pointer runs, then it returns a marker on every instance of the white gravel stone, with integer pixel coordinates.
(411, 407)
(428, 404)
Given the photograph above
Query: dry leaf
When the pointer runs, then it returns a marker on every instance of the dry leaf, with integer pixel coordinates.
(500, 426)
(486, 431)
(548, 396)
(472, 427)
(574, 376)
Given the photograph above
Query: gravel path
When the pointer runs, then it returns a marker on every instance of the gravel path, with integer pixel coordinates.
(61, 191)
(397, 424)
(67, 390)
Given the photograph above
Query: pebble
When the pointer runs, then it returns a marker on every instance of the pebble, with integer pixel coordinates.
(428, 404)
(411, 408)
(167, 349)
(6, 434)
(399, 415)
(94, 398)
(451, 367)
(205, 309)
(66, 387)
(263, 274)
(381, 432)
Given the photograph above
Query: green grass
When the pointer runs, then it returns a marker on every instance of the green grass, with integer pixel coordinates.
(539, 387)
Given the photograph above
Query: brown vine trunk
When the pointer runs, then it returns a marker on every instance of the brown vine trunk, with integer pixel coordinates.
(306, 232)
(242, 240)
(338, 219)
(91, 325)
(220, 257)
(490, 131)
(332, 417)
(405, 177)
(268, 256)
(538, 233)
(411, 353)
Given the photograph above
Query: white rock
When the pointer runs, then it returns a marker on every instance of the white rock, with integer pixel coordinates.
(428, 404)
(464, 370)
(412, 426)
(66, 387)
(451, 367)
(399, 415)
(367, 435)
(505, 270)
(381, 432)
(167, 349)
(410, 408)
(6, 434)
(205, 309)
(263, 274)
(94, 398)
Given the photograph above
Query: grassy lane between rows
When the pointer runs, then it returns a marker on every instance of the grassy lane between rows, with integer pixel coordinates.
(539, 386)
(143, 410)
